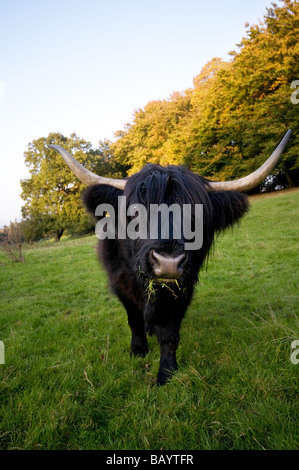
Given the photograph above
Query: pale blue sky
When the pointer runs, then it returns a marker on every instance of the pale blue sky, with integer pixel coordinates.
(84, 66)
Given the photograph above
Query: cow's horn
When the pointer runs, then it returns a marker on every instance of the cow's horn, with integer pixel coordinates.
(255, 178)
(84, 175)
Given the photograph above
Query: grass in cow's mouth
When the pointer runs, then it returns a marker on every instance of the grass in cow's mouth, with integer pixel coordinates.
(165, 283)
(150, 291)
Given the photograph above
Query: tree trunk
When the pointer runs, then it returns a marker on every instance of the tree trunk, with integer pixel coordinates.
(58, 234)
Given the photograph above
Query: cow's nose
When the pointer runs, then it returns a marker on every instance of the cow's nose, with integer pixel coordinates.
(167, 266)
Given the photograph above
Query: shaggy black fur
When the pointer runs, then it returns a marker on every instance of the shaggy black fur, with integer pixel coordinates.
(152, 307)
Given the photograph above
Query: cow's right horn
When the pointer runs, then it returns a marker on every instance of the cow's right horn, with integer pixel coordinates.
(255, 178)
(84, 175)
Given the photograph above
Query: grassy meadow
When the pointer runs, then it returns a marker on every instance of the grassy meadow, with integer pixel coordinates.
(68, 381)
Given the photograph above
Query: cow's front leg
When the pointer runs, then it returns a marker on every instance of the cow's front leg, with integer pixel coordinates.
(139, 346)
(168, 340)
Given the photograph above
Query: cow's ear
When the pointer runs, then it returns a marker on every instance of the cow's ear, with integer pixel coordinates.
(98, 194)
(228, 208)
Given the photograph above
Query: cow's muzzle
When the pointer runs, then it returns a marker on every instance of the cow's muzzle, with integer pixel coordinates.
(167, 266)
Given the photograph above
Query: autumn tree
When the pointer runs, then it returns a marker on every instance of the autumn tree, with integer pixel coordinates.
(250, 105)
(146, 140)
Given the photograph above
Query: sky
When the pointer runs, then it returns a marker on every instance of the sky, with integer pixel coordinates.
(85, 66)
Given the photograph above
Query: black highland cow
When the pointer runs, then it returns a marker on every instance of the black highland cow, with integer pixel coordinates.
(154, 278)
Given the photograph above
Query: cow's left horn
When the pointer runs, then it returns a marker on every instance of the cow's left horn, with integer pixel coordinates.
(84, 175)
(255, 178)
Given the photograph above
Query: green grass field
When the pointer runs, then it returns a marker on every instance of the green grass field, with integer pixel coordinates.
(69, 382)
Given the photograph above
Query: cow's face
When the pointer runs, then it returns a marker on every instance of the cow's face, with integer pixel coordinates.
(152, 253)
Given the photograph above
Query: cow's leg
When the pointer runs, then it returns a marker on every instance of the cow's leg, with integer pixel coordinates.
(168, 338)
(139, 346)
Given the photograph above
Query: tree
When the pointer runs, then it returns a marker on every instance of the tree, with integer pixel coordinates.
(105, 162)
(32, 228)
(249, 105)
(147, 139)
(52, 192)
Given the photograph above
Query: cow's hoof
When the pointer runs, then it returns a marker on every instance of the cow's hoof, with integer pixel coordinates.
(163, 378)
(165, 374)
(139, 348)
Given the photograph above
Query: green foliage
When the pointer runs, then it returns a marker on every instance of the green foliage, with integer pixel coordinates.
(105, 162)
(52, 193)
(32, 229)
(69, 383)
(234, 115)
